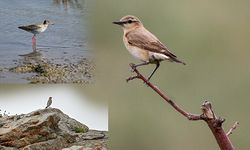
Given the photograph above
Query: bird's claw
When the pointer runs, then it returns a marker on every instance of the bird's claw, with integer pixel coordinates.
(146, 82)
(133, 67)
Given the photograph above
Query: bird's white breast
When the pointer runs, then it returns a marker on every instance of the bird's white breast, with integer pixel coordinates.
(43, 28)
(136, 52)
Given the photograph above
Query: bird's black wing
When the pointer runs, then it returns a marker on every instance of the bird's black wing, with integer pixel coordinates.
(29, 27)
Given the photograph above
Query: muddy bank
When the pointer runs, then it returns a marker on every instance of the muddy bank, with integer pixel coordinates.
(36, 69)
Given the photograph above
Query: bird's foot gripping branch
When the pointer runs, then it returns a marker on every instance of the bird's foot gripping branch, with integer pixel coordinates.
(208, 115)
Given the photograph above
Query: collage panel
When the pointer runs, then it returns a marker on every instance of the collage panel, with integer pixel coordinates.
(45, 42)
(124, 75)
(210, 37)
(51, 117)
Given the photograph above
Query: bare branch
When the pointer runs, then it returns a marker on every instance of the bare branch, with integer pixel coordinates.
(233, 128)
(208, 115)
(166, 98)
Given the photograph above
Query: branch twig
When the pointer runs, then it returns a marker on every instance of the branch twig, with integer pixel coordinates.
(232, 128)
(208, 115)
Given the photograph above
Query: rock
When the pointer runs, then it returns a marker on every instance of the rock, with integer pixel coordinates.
(48, 129)
(74, 148)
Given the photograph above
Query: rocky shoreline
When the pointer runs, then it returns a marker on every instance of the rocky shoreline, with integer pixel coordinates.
(48, 129)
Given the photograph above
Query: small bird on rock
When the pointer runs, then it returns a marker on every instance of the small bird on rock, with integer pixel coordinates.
(49, 102)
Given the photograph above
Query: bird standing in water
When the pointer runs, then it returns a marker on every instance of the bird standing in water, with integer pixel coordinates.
(35, 29)
(143, 45)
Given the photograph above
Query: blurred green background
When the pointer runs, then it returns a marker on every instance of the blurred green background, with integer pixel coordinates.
(212, 37)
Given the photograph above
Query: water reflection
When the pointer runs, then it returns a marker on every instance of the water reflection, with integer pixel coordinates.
(34, 57)
(68, 4)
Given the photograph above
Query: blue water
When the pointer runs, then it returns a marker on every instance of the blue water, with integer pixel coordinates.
(62, 43)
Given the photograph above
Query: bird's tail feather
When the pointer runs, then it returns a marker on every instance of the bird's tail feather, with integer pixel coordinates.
(178, 61)
(21, 27)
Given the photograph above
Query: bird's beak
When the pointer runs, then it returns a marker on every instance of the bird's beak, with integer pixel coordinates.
(118, 22)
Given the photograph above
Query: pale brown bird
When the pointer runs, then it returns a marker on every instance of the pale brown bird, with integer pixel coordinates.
(143, 45)
(49, 102)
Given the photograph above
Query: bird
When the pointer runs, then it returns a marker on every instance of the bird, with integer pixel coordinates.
(144, 45)
(49, 102)
(36, 29)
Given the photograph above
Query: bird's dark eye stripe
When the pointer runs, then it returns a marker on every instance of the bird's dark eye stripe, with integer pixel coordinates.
(129, 21)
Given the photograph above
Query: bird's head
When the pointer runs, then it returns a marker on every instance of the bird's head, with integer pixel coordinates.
(129, 22)
(47, 22)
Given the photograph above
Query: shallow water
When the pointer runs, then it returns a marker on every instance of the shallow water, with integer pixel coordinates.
(62, 43)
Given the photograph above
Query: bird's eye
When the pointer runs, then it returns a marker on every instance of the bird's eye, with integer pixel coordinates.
(129, 21)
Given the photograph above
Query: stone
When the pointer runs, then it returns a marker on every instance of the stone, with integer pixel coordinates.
(48, 129)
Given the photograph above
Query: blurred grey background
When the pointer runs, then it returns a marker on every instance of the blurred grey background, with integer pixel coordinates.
(212, 37)
(19, 99)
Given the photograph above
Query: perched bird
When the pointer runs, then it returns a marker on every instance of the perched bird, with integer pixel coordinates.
(36, 29)
(49, 102)
(143, 45)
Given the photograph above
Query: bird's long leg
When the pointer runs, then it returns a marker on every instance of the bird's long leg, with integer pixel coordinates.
(157, 66)
(34, 42)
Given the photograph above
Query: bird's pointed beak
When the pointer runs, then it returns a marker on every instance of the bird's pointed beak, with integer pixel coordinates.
(118, 23)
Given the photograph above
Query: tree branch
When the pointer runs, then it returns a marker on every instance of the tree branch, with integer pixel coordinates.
(208, 115)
